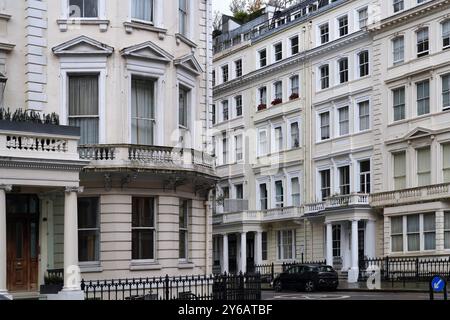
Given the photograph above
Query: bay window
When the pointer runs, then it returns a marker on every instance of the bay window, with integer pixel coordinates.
(142, 111)
(143, 228)
(84, 106)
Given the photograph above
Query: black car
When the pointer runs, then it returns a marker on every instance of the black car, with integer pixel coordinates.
(307, 277)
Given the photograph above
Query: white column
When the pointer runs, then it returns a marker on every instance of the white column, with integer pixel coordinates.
(72, 276)
(225, 267)
(370, 239)
(243, 265)
(3, 258)
(258, 248)
(354, 271)
(329, 244)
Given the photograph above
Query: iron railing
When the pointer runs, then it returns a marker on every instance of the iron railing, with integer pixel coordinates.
(199, 287)
(404, 269)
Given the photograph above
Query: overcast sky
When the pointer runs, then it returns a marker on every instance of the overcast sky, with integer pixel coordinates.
(221, 5)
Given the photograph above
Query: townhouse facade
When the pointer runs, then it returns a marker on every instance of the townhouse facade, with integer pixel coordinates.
(371, 183)
(118, 185)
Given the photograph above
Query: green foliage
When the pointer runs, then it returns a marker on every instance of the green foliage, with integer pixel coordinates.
(29, 116)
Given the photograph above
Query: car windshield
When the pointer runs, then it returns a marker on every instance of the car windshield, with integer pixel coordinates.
(325, 269)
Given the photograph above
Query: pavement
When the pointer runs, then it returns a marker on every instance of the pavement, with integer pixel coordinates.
(348, 295)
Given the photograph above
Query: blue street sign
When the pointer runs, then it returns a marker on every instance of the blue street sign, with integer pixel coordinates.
(438, 284)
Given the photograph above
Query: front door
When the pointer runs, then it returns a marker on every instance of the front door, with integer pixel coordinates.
(22, 217)
(361, 244)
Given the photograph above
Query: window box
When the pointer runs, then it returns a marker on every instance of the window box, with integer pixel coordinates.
(277, 101)
(262, 107)
(294, 96)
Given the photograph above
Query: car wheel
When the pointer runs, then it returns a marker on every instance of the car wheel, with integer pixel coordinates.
(278, 286)
(309, 286)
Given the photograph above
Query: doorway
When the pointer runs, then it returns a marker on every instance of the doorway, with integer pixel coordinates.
(22, 222)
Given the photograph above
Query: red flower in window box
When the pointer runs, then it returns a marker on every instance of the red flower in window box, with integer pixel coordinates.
(294, 96)
(262, 106)
(277, 101)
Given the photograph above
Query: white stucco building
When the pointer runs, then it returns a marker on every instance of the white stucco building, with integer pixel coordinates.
(328, 75)
(120, 188)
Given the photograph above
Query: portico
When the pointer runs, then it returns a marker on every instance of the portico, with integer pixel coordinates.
(39, 166)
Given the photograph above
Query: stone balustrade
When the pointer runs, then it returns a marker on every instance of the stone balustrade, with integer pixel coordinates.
(340, 201)
(412, 195)
(150, 157)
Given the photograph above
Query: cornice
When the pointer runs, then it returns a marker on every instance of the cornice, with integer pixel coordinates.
(286, 63)
(406, 16)
(42, 164)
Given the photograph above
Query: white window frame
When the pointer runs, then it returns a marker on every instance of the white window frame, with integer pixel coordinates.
(280, 245)
(396, 62)
(338, 29)
(155, 14)
(275, 147)
(358, 121)
(290, 143)
(274, 57)
(258, 58)
(267, 146)
(101, 11)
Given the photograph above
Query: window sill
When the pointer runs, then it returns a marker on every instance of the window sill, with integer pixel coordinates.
(5, 17)
(138, 25)
(186, 265)
(144, 265)
(65, 23)
(90, 267)
(183, 39)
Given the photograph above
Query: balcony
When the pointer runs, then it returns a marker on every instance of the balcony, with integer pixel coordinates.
(271, 215)
(413, 195)
(337, 202)
(24, 140)
(146, 158)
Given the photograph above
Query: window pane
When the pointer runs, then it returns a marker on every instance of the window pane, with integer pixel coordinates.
(142, 111)
(143, 212)
(413, 223)
(397, 243)
(142, 244)
(429, 222)
(397, 225)
(83, 106)
(88, 210)
(88, 245)
(424, 166)
(142, 9)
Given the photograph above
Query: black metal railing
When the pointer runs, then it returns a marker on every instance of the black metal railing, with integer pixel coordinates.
(404, 269)
(269, 271)
(200, 287)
